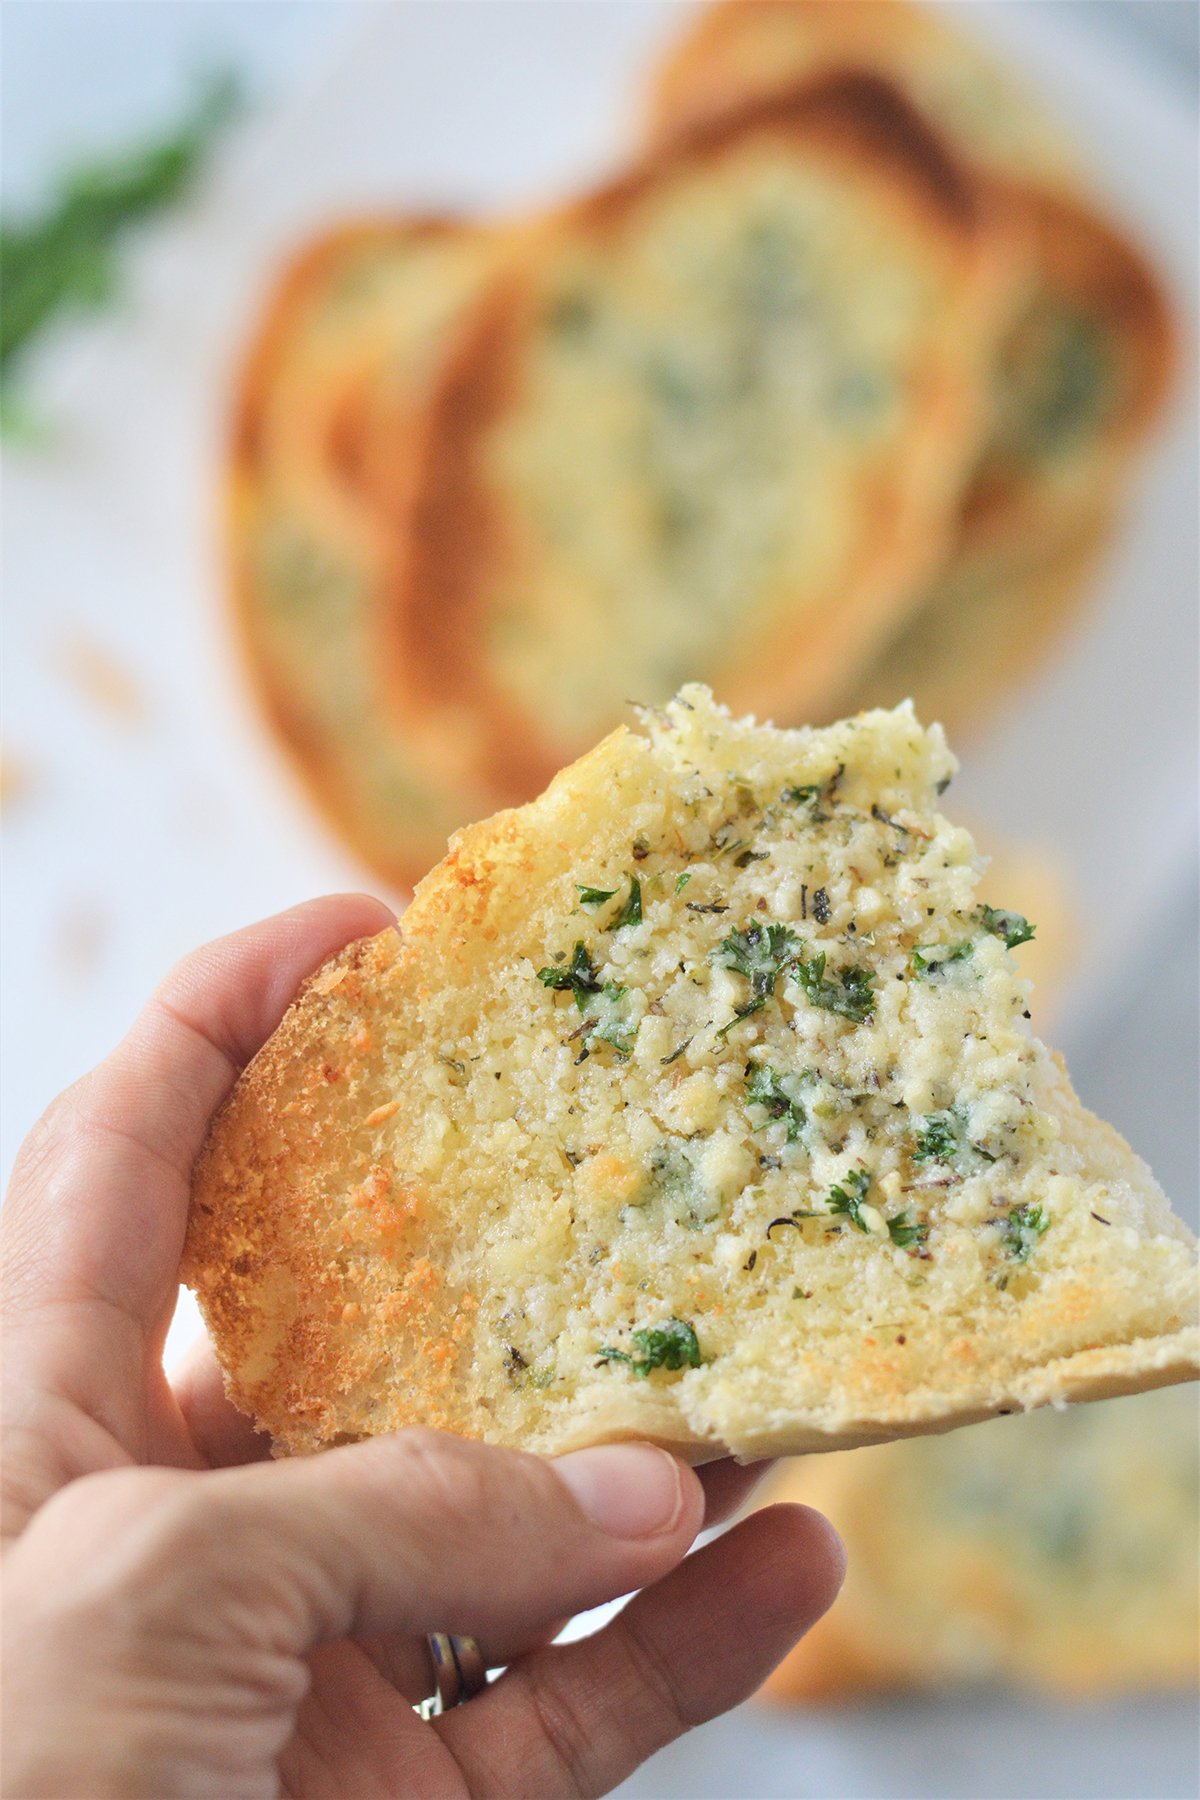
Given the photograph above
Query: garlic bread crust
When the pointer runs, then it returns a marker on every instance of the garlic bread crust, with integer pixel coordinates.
(748, 49)
(693, 1101)
(683, 435)
(1055, 1553)
(343, 353)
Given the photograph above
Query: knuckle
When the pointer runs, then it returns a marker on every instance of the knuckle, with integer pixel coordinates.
(110, 1506)
(44, 1143)
(650, 1672)
(566, 1730)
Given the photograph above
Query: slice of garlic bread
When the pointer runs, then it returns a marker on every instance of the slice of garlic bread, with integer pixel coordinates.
(1056, 1553)
(1081, 379)
(714, 419)
(995, 614)
(696, 1101)
(341, 358)
(746, 49)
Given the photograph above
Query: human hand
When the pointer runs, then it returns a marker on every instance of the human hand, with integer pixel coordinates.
(183, 1617)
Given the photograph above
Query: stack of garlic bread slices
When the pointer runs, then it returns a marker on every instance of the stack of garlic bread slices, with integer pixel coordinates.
(696, 1100)
(712, 419)
(1080, 374)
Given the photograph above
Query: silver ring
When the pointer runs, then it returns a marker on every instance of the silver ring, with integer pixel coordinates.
(471, 1666)
(459, 1672)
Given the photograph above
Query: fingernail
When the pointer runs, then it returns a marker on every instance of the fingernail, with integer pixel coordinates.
(628, 1490)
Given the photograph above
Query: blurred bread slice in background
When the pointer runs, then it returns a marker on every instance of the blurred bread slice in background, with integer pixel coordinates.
(744, 49)
(827, 400)
(712, 421)
(1054, 1552)
(986, 624)
(351, 334)
(1080, 377)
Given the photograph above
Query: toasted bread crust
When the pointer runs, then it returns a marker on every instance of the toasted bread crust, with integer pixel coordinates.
(739, 50)
(458, 531)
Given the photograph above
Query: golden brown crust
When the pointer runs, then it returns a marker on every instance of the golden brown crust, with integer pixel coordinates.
(456, 534)
(318, 431)
(739, 50)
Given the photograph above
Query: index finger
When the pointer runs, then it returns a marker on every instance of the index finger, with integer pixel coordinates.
(94, 1223)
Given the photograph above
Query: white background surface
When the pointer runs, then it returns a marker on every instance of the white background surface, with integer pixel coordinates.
(134, 841)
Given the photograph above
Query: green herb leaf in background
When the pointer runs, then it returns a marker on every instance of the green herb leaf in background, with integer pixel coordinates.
(65, 257)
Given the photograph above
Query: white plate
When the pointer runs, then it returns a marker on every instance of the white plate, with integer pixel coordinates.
(135, 842)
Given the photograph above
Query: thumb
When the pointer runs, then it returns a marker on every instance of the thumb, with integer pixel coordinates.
(422, 1531)
(415, 1532)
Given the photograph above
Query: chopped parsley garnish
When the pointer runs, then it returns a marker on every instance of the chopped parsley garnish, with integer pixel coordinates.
(944, 1137)
(593, 896)
(848, 1199)
(673, 1345)
(775, 1093)
(1021, 1228)
(927, 959)
(600, 1001)
(760, 953)
(907, 1233)
(938, 1137)
(1010, 926)
(681, 881)
(631, 912)
(579, 975)
(813, 794)
(848, 993)
(608, 1023)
